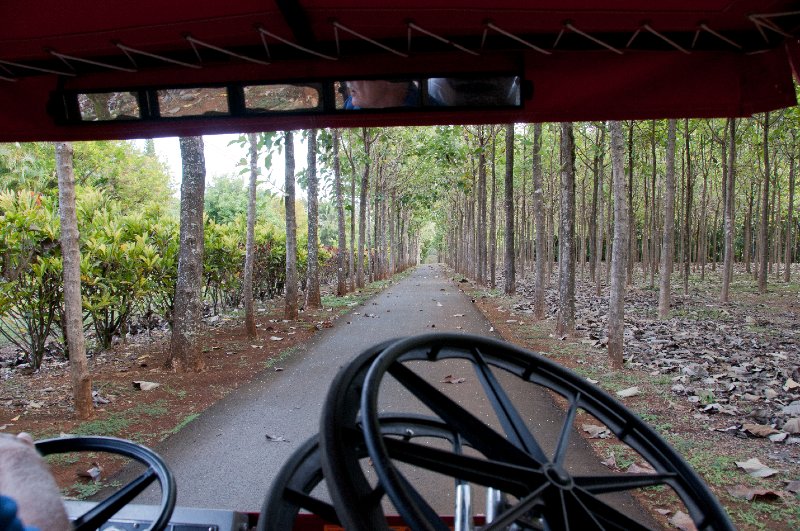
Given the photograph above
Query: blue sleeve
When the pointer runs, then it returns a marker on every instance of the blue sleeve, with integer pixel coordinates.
(8, 516)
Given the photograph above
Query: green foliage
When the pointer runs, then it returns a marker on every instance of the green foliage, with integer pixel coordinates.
(126, 174)
(30, 268)
(117, 261)
(222, 262)
(226, 199)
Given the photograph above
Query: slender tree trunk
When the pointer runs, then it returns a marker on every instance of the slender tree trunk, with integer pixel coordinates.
(594, 226)
(493, 217)
(510, 280)
(290, 305)
(762, 232)
(370, 272)
(481, 225)
(776, 225)
(664, 293)
(313, 297)
(598, 250)
(362, 208)
(609, 230)
(787, 257)
(249, 252)
(73, 309)
(186, 346)
(352, 262)
(341, 282)
(631, 219)
(392, 238)
(730, 187)
(687, 210)
(616, 302)
(565, 323)
(653, 209)
(703, 244)
(748, 231)
(538, 212)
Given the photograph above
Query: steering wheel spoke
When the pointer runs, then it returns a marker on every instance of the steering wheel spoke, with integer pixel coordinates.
(157, 470)
(509, 417)
(477, 433)
(621, 483)
(610, 517)
(566, 430)
(93, 518)
(497, 474)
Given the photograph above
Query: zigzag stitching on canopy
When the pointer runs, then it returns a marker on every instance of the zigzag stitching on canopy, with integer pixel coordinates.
(194, 42)
(439, 38)
(127, 49)
(264, 32)
(761, 21)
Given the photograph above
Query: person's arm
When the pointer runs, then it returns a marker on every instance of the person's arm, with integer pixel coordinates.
(25, 479)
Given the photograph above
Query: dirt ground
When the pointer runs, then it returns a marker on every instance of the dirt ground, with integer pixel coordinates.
(712, 442)
(41, 403)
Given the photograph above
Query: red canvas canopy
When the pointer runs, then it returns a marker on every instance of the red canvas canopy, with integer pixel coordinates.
(576, 60)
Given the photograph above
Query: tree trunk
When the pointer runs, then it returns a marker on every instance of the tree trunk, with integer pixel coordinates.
(687, 210)
(653, 209)
(351, 268)
(667, 247)
(538, 212)
(598, 250)
(787, 258)
(762, 231)
(703, 244)
(593, 224)
(730, 187)
(290, 304)
(510, 286)
(776, 225)
(481, 225)
(341, 281)
(616, 301)
(73, 309)
(362, 208)
(748, 230)
(631, 219)
(313, 297)
(565, 323)
(249, 253)
(493, 218)
(186, 346)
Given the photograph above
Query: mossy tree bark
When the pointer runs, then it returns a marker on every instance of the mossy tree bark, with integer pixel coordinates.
(73, 310)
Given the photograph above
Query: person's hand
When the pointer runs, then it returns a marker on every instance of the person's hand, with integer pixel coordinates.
(26, 479)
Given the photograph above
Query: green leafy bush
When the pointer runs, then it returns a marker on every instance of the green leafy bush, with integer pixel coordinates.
(30, 267)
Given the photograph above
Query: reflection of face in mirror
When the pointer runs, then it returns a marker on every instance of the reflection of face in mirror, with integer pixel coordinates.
(490, 91)
(380, 94)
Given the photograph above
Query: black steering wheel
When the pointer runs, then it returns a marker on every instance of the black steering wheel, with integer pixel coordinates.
(538, 487)
(156, 470)
(292, 489)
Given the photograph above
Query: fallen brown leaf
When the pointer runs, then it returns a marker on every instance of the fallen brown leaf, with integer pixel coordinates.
(750, 493)
(759, 430)
(596, 432)
(682, 521)
(641, 469)
(756, 468)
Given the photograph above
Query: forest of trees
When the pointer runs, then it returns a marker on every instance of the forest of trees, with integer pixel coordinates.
(624, 201)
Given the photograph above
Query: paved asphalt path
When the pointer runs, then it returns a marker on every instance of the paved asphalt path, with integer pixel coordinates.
(224, 459)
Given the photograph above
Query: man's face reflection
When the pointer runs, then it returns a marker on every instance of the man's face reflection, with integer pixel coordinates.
(377, 94)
